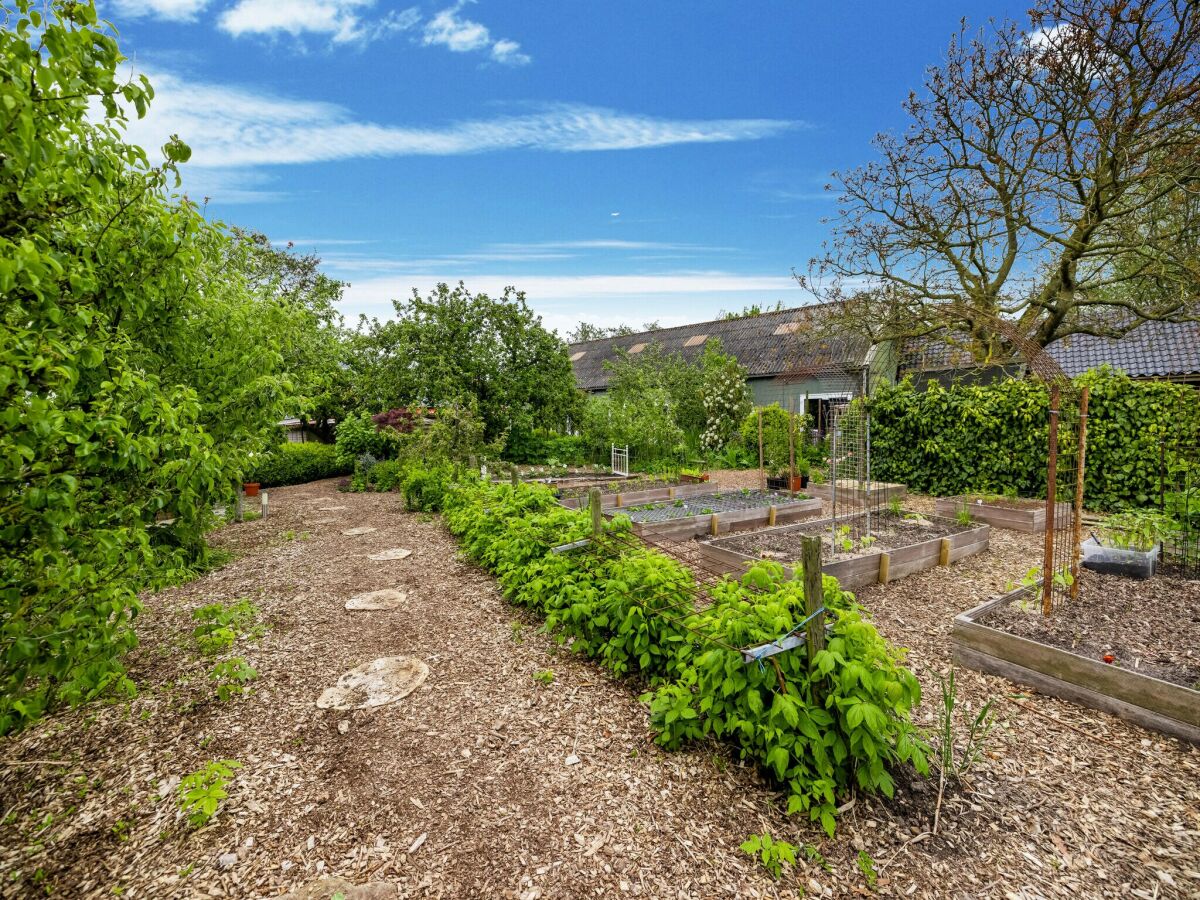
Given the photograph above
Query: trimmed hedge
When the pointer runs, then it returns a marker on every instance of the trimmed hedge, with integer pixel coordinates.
(297, 464)
(540, 447)
(989, 438)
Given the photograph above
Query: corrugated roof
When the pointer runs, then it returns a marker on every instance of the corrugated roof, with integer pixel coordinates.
(757, 341)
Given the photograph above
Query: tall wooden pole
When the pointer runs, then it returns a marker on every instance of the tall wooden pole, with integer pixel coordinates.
(792, 446)
(814, 595)
(597, 513)
(1077, 532)
(1051, 505)
(762, 474)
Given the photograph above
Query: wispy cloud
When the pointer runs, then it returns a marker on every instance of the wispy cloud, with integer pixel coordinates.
(449, 29)
(234, 127)
(167, 10)
(614, 244)
(343, 21)
(671, 297)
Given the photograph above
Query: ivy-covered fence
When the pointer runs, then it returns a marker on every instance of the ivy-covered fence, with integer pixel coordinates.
(821, 728)
(993, 438)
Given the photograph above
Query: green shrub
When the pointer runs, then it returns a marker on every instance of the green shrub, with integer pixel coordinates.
(358, 435)
(820, 727)
(540, 447)
(297, 464)
(424, 489)
(776, 448)
(993, 438)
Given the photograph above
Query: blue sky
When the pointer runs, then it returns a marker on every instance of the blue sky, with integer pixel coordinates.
(619, 161)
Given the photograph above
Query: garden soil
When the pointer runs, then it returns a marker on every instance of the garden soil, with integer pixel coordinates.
(484, 782)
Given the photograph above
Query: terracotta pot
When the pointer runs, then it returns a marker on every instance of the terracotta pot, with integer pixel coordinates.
(251, 488)
(799, 482)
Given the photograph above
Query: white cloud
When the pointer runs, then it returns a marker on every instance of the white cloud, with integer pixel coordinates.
(170, 10)
(671, 298)
(461, 35)
(342, 20)
(230, 127)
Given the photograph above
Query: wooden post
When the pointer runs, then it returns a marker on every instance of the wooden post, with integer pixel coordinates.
(1051, 490)
(670, 493)
(264, 504)
(771, 516)
(885, 565)
(791, 445)
(814, 595)
(597, 512)
(237, 507)
(619, 501)
(762, 474)
(515, 479)
(1077, 530)
(944, 552)
(713, 522)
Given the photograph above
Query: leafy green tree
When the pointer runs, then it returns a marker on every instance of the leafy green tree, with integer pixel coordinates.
(725, 394)
(141, 361)
(492, 355)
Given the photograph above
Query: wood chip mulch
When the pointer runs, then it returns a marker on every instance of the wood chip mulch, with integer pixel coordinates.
(487, 783)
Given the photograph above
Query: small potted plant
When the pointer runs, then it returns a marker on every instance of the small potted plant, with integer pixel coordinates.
(800, 479)
(1127, 543)
(251, 488)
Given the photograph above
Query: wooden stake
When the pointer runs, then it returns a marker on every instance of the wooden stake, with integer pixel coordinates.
(791, 445)
(771, 516)
(944, 552)
(814, 595)
(515, 479)
(237, 507)
(885, 565)
(264, 504)
(762, 475)
(712, 524)
(1051, 490)
(597, 513)
(1077, 531)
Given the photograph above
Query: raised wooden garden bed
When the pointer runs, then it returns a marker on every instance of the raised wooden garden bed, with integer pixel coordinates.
(849, 491)
(877, 566)
(711, 512)
(634, 498)
(1137, 697)
(1018, 514)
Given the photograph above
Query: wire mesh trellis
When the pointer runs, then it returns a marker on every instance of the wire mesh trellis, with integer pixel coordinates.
(1179, 499)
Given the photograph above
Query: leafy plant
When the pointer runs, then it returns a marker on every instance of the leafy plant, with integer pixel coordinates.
(867, 541)
(771, 853)
(962, 515)
(1139, 529)
(954, 763)
(546, 676)
(842, 538)
(896, 507)
(201, 792)
(221, 625)
(231, 677)
(866, 865)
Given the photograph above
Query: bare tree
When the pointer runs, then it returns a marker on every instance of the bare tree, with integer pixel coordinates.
(1050, 178)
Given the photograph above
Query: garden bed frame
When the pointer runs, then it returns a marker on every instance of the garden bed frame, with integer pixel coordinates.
(1031, 519)
(754, 517)
(636, 498)
(1142, 699)
(852, 491)
(876, 567)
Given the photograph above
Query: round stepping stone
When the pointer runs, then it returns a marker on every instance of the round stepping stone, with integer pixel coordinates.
(394, 553)
(375, 683)
(385, 599)
(362, 529)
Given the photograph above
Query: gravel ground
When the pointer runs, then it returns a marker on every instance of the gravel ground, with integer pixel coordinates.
(486, 783)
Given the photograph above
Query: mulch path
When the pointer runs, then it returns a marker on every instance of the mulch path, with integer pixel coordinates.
(1150, 626)
(469, 786)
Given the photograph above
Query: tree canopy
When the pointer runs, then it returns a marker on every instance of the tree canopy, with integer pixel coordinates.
(1049, 178)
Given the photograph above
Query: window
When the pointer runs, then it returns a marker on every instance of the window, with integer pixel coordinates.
(695, 340)
(637, 348)
(787, 328)
(575, 357)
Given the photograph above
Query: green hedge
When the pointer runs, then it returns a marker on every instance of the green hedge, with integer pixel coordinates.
(992, 438)
(541, 447)
(297, 464)
(819, 727)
